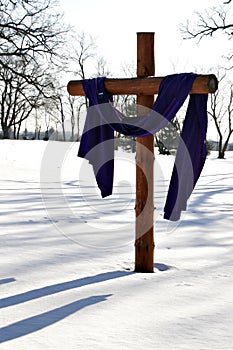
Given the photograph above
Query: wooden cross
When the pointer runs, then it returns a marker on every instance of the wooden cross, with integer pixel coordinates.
(145, 86)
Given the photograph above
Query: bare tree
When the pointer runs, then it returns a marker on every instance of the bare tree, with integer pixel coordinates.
(75, 106)
(83, 52)
(47, 119)
(37, 125)
(64, 108)
(59, 111)
(102, 69)
(17, 98)
(32, 31)
(221, 111)
(71, 100)
(127, 103)
(62, 105)
(209, 22)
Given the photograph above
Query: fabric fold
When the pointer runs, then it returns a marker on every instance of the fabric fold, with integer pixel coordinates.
(97, 141)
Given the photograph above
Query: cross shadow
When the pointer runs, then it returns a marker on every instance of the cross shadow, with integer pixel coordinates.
(162, 267)
(60, 287)
(38, 322)
(7, 280)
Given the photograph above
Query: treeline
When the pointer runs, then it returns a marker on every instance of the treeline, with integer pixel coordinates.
(39, 52)
(36, 59)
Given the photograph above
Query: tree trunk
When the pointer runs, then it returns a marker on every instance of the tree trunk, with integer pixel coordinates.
(63, 131)
(18, 131)
(221, 152)
(6, 131)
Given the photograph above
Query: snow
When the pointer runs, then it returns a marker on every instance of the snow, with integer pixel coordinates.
(67, 256)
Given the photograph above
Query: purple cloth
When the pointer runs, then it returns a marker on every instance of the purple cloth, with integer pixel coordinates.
(97, 142)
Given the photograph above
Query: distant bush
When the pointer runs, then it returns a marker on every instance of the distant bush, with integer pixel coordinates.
(209, 147)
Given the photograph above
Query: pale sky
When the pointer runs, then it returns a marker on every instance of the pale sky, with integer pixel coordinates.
(114, 24)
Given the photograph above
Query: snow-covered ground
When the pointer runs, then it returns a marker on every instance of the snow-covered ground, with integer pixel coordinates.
(67, 257)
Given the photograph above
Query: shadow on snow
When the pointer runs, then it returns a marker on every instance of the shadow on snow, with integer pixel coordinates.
(35, 323)
(38, 322)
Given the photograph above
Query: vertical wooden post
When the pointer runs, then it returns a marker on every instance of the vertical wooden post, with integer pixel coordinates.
(144, 241)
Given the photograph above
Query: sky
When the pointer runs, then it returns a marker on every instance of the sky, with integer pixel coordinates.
(114, 26)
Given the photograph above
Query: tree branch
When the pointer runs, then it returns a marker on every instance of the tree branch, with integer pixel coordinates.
(208, 24)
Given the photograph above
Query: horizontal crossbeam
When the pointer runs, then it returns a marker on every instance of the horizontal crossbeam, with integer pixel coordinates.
(203, 84)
